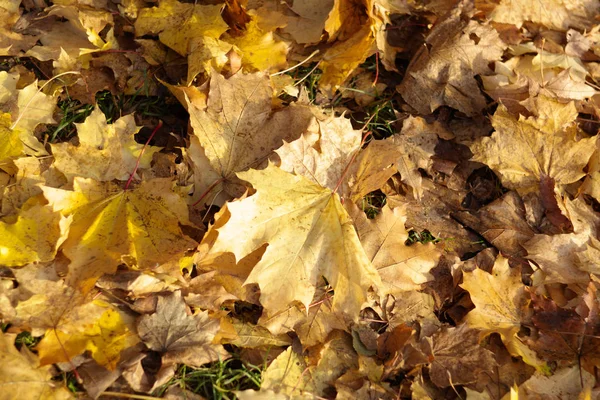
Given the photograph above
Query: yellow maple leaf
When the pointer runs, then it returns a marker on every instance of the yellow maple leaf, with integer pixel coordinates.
(105, 151)
(110, 226)
(71, 321)
(22, 377)
(258, 48)
(33, 237)
(206, 54)
(523, 149)
(309, 235)
(104, 338)
(28, 108)
(500, 306)
(178, 23)
(323, 152)
(10, 143)
(343, 57)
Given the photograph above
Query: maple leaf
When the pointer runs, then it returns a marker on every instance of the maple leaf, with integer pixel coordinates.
(139, 227)
(311, 328)
(28, 107)
(500, 305)
(458, 358)
(343, 57)
(105, 151)
(562, 264)
(255, 336)
(181, 338)
(432, 213)
(258, 48)
(70, 321)
(10, 143)
(206, 54)
(373, 166)
(563, 334)
(238, 126)
(563, 384)
(109, 334)
(554, 14)
(34, 236)
(177, 23)
(11, 42)
(286, 376)
(322, 154)
(415, 146)
(306, 26)
(502, 223)
(22, 377)
(522, 150)
(402, 268)
(309, 235)
(443, 71)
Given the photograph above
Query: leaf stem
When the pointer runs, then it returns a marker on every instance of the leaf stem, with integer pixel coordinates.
(207, 191)
(137, 163)
(347, 168)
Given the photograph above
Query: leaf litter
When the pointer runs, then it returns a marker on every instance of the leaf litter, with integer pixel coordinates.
(339, 199)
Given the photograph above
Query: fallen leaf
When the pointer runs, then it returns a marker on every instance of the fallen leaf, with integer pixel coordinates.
(416, 145)
(554, 14)
(285, 377)
(34, 236)
(564, 383)
(308, 23)
(521, 150)
(239, 128)
(10, 143)
(180, 337)
(178, 23)
(402, 268)
(259, 49)
(311, 328)
(502, 223)
(22, 376)
(443, 71)
(561, 264)
(323, 153)
(105, 151)
(327, 246)
(344, 57)
(104, 338)
(111, 225)
(500, 305)
(459, 359)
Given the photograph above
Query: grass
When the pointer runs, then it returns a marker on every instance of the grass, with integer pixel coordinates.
(422, 237)
(218, 380)
(113, 107)
(372, 203)
(25, 339)
(380, 118)
(308, 76)
(72, 112)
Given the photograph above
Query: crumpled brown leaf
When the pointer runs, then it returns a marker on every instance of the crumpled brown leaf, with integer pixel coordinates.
(179, 336)
(443, 71)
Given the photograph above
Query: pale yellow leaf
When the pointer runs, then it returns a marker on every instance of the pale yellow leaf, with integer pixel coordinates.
(105, 151)
(309, 235)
